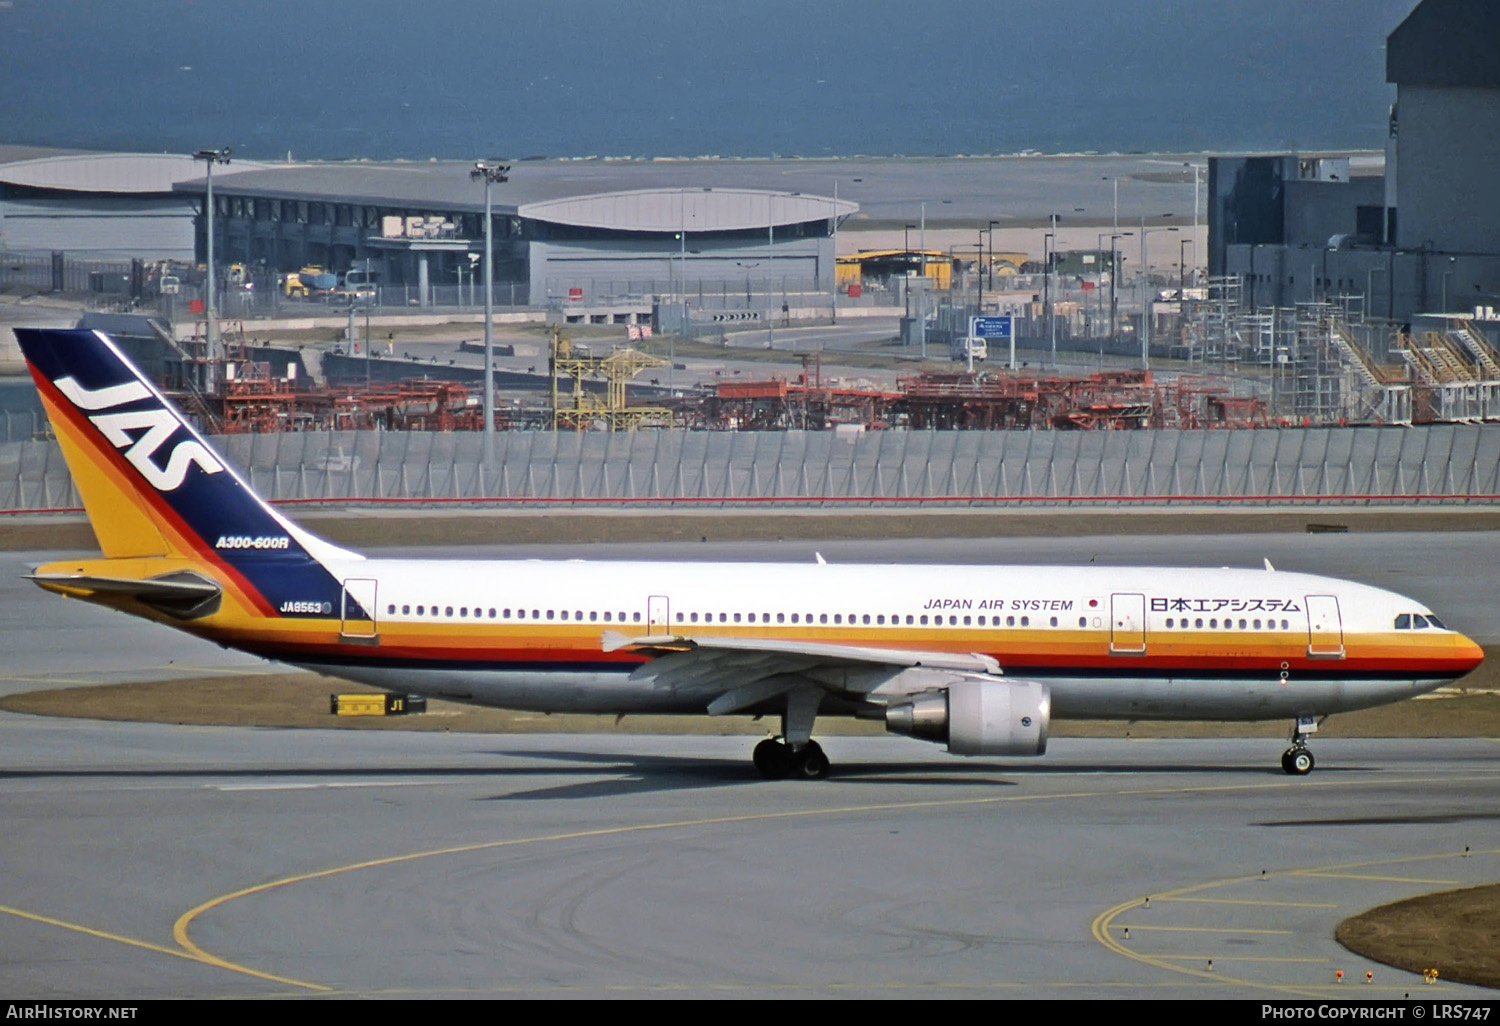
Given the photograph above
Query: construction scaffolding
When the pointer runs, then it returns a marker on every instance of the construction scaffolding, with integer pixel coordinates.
(1326, 362)
(577, 406)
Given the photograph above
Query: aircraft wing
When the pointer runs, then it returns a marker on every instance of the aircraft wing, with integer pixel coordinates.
(736, 673)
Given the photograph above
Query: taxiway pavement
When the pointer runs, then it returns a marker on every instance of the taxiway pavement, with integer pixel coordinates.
(146, 860)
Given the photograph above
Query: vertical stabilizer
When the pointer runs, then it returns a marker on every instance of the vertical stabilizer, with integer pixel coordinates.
(152, 487)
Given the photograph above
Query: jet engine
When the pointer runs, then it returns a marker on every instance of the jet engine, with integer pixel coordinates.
(978, 717)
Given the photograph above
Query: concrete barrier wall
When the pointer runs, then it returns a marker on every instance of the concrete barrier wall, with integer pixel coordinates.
(1451, 464)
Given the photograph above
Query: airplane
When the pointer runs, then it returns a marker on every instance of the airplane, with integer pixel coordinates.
(979, 658)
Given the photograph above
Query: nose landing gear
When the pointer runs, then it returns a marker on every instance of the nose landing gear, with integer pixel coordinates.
(1297, 761)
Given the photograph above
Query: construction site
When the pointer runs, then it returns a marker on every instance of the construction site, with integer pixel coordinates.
(1223, 365)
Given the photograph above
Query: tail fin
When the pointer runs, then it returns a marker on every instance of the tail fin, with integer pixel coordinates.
(151, 485)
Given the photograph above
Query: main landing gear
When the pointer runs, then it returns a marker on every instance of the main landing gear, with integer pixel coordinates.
(1297, 760)
(776, 760)
(794, 753)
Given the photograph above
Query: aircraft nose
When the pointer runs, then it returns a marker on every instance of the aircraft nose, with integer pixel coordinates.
(1467, 652)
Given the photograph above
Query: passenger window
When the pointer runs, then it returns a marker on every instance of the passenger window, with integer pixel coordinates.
(1083, 621)
(550, 614)
(737, 618)
(1025, 621)
(822, 617)
(1010, 621)
(909, 619)
(781, 618)
(1054, 620)
(449, 612)
(966, 621)
(866, 618)
(1169, 621)
(405, 610)
(564, 614)
(594, 616)
(881, 619)
(924, 620)
(1198, 622)
(794, 618)
(838, 618)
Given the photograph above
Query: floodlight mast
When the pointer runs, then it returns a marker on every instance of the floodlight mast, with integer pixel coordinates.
(493, 173)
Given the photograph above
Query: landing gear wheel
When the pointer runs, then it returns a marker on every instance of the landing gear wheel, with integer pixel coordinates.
(773, 759)
(810, 763)
(1297, 761)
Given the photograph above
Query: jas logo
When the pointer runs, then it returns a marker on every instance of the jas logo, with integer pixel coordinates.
(159, 424)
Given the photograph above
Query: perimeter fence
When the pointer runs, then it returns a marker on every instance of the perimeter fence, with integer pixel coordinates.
(1444, 464)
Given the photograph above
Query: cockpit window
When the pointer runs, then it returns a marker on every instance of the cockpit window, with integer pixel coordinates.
(1418, 621)
(1403, 622)
(1433, 621)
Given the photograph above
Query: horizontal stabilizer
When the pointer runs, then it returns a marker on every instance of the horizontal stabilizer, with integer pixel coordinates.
(183, 594)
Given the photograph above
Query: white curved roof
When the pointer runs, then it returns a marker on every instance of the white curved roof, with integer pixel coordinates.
(112, 172)
(695, 209)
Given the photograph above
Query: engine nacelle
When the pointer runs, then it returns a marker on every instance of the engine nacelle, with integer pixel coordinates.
(978, 717)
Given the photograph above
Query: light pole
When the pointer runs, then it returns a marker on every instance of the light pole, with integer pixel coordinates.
(980, 305)
(1099, 238)
(210, 158)
(990, 266)
(1146, 303)
(1196, 168)
(1051, 313)
(492, 173)
(834, 292)
(906, 276)
(1452, 263)
(922, 283)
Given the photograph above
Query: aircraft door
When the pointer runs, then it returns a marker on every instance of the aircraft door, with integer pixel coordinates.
(658, 615)
(357, 609)
(1325, 627)
(1127, 634)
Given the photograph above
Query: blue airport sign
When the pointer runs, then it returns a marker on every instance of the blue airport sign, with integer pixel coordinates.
(991, 327)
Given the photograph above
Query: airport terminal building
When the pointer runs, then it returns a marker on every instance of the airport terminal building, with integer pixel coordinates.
(558, 232)
(423, 225)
